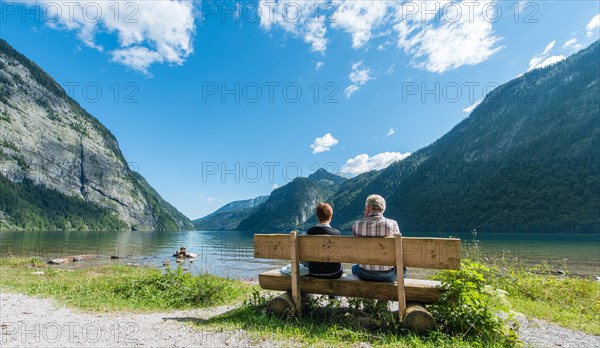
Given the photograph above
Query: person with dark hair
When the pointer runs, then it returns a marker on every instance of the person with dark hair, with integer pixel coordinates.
(329, 270)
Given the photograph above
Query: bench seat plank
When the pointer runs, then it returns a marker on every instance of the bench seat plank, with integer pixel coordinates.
(416, 290)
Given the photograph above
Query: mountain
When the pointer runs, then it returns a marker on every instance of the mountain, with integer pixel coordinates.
(60, 168)
(228, 217)
(323, 177)
(527, 159)
(293, 204)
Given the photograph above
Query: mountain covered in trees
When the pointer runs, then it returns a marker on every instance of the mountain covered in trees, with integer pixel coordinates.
(293, 204)
(527, 159)
(60, 168)
(229, 216)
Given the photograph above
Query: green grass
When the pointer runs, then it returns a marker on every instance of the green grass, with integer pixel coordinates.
(570, 302)
(120, 288)
(328, 326)
(567, 301)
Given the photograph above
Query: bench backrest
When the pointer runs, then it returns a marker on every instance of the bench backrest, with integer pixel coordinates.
(435, 253)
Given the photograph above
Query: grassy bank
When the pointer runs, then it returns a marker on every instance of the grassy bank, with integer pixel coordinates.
(570, 302)
(117, 287)
(332, 327)
(466, 316)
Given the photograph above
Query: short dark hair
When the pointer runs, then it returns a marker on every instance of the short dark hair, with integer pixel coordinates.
(324, 211)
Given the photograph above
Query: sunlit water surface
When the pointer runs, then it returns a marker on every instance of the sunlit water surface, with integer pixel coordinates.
(230, 254)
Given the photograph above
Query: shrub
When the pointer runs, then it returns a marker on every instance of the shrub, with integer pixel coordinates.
(468, 308)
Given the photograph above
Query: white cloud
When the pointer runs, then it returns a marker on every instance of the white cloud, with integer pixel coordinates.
(391, 69)
(436, 41)
(297, 18)
(147, 32)
(390, 132)
(549, 61)
(572, 44)
(137, 58)
(358, 77)
(472, 107)
(450, 42)
(350, 90)
(359, 19)
(315, 35)
(209, 199)
(544, 59)
(363, 163)
(275, 186)
(549, 47)
(319, 65)
(324, 143)
(593, 25)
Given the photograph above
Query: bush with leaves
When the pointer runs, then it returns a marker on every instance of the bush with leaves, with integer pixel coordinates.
(468, 307)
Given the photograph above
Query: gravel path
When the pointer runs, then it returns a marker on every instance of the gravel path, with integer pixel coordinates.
(538, 333)
(33, 322)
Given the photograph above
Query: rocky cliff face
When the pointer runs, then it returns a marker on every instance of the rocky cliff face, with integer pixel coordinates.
(46, 138)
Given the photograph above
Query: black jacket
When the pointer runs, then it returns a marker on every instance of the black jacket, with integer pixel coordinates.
(324, 269)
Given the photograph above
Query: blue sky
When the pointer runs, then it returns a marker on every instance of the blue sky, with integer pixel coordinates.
(220, 101)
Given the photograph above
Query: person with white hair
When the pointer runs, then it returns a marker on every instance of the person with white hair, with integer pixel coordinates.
(374, 224)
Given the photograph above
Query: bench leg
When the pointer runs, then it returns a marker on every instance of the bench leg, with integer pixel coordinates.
(418, 319)
(282, 306)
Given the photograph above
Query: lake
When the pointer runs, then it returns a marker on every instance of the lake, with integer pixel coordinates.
(230, 254)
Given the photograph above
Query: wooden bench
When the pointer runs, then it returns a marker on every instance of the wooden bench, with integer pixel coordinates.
(432, 253)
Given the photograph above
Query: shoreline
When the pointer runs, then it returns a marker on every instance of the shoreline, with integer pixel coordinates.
(85, 262)
(118, 289)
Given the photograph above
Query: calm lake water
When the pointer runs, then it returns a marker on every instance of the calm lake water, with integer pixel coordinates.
(230, 254)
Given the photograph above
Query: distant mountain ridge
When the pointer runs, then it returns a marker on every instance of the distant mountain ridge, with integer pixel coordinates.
(245, 204)
(60, 168)
(229, 216)
(293, 204)
(527, 159)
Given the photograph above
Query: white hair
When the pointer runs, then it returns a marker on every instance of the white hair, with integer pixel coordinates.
(376, 203)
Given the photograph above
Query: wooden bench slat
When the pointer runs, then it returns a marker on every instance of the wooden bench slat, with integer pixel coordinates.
(295, 262)
(400, 284)
(416, 290)
(433, 253)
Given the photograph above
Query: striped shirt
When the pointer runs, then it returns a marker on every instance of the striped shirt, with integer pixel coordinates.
(375, 225)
